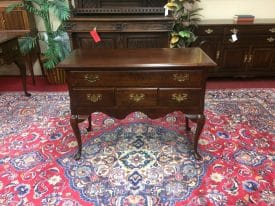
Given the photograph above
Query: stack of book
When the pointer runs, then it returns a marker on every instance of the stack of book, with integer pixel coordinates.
(243, 18)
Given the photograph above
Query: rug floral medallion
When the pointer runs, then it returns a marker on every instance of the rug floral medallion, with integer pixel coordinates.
(138, 161)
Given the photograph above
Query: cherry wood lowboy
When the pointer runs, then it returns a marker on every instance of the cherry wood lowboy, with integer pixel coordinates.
(155, 81)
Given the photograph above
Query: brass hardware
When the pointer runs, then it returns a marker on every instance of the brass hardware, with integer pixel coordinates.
(91, 77)
(94, 97)
(250, 58)
(14, 48)
(181, 77)
(218, 53)
(120, 26)
(234, 30)
(270, 39)
(245, 58)
(272, 30)
(136, 97)
(1, 61)
(179, 97)
(208, 31)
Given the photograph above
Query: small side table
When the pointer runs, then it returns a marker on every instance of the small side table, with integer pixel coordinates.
(10, 52)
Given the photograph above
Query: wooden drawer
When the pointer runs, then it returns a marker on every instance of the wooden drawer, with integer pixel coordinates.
(249, 39)
(250, 29)
(120, 26)
(142, 97)
(186, 78)
(187, 98)
(97, 97)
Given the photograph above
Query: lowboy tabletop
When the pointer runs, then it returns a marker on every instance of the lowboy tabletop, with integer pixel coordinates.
(149, 58)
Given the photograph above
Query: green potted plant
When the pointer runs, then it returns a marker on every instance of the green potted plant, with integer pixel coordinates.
(55, 46)
(186, 16)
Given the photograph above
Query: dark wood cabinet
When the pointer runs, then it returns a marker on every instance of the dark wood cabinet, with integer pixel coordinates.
(120, 24)
(252, 54)
(18, 19)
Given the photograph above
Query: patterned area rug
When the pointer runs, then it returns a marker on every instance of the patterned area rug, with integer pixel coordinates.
(138, 161)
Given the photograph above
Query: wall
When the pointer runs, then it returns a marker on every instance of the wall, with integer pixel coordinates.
(226, 9)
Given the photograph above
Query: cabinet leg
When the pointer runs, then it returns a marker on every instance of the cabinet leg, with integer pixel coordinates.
(200, 120)
(74, 124)
(89, 123)
(187, 128)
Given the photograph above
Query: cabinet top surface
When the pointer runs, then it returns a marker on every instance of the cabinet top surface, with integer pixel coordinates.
(232, 22)
(149, 58)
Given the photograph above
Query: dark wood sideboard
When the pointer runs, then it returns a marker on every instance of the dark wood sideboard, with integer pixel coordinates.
(10, 52)
(120, 24)
(120, 81)
(252, 55)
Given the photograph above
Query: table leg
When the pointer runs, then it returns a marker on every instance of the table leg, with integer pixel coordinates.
(74, 124)
(200, 120)
(187, 127)
(89, 123)
(23, 76)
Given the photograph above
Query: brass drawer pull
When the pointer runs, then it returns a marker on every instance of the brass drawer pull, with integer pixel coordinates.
(208, 31)
(218, 53)
(136, 97)
(234, 30)
(14, 48)
(179, 97)
(245, 58)
(272, 30)
(94, 97)
(91, 77)
(270, 39)
(181, 77)
(250, 58)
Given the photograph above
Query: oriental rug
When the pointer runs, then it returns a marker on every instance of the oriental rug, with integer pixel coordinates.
(138, 161)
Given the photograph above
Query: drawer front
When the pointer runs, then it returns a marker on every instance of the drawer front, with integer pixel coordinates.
(247, 39)
(131, 97)
(250, 29)
(136, 26)
(187, 98)
(138, 79)
(94, 97)
(9, 48)
(209, 30)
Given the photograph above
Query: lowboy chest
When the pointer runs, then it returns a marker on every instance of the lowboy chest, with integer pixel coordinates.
(153, 81)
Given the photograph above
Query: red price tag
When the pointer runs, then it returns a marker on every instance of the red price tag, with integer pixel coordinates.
(95, 35)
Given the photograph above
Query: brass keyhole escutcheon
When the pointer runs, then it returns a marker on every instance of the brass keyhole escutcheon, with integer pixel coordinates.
(181, 77)
(179, 97)
(136, 97)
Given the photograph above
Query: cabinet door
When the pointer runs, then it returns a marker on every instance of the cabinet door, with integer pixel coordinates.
(84, 40)
(145, 40)
(15, 20)
(234, 59)
(211, 46)
(260, 59)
